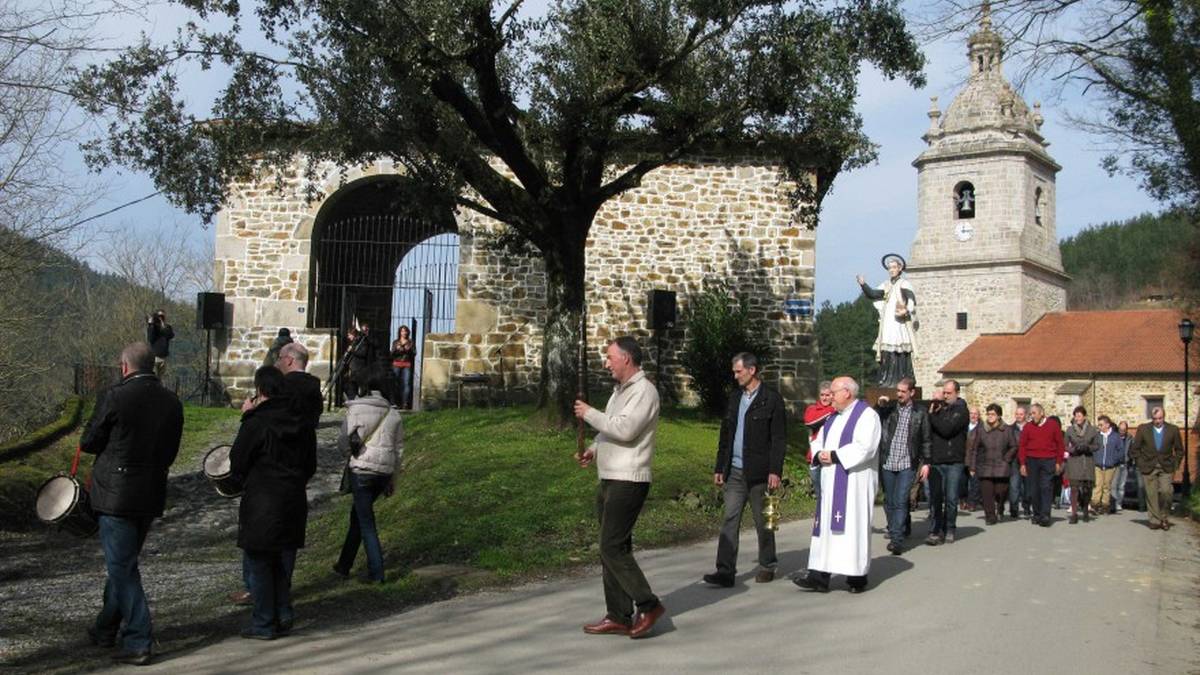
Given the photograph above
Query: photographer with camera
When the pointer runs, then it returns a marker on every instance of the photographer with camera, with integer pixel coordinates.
(159, 335)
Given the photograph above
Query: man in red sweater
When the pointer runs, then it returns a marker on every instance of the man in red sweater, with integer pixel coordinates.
(1040, 454)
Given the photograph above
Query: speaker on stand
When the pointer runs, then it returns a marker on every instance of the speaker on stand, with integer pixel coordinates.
(210, 316)
(660, 312)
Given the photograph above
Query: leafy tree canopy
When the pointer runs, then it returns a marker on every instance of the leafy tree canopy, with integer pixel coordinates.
(544, 118)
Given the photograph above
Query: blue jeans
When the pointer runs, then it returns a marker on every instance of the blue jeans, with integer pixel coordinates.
(404, 377)
(1015, 487)
(270, 588)
(896, 485)
(1118, 485)
(944, 482)
(124, 598)
(366, 489)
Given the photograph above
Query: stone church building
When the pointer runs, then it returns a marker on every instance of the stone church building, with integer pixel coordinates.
(477, 308)
(987, 272)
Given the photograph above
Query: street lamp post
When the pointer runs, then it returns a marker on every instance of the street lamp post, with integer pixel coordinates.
(1186, 329)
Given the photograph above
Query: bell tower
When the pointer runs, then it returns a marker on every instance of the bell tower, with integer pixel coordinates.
(986, 256)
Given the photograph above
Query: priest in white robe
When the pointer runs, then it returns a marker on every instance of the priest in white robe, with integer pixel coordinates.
(846, 447)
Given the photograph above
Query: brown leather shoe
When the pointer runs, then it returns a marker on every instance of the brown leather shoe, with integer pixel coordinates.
(606, 626)
(764, 577)
(1154, 526)
(241, 598)
(1166, 525)
(646, 621)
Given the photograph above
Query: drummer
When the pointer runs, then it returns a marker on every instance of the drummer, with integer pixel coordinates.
(134, 433)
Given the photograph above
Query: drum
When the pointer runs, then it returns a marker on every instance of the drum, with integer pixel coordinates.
(62, 501)
(218, 471)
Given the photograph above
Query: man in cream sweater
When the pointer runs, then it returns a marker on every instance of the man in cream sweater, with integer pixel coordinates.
(623, 450)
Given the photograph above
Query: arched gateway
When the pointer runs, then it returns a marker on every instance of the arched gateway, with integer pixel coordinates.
(315, 267)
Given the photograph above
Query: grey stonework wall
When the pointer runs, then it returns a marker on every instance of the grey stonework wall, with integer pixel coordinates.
(1121, 398)
(726, 217)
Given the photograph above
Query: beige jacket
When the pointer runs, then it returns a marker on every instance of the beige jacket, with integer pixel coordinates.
(625, 445)
(380, 426)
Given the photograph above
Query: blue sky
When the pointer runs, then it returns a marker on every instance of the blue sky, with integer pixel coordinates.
(870, 211)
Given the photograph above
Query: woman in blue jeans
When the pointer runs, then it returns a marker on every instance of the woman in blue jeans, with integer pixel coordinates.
(404, 354)
(373, 437)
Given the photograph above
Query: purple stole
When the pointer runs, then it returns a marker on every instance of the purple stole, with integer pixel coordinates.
(840, 477)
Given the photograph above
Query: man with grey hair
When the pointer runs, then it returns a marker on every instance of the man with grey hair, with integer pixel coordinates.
(134, 433)
(1158, 449)
(750, 451)
(1018, 490)
(846, 447)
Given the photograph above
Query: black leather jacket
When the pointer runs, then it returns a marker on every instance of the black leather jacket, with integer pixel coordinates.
(134, 433)
(764, 440)
(918, 436)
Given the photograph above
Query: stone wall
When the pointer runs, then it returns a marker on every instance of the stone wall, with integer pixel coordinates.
(1119, 398)
(714, 217)
(1123, 399)
(708, 217)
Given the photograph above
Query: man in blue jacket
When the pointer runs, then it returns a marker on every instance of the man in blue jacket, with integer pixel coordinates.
(750, 454)
(134, 434)
(1110, 456)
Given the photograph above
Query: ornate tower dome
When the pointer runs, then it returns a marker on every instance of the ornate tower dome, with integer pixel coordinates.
(986, 256)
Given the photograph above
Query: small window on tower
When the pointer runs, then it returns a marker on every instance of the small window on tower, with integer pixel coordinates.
(1038, 204)
(964, 200)
(961, 321)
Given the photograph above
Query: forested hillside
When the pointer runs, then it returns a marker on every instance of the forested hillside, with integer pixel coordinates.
(56, 312)
(1114, 264)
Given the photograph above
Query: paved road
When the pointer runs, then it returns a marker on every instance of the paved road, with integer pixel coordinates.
(1106, 597)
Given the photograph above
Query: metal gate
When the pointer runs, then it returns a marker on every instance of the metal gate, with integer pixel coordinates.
(385, 271)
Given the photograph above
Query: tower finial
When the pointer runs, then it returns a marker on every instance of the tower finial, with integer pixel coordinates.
(985, 19)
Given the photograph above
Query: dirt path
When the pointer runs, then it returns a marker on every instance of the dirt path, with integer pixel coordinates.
(51, 582)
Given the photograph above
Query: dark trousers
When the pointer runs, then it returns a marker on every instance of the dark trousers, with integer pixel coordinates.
(944, 482)
(1041, 480)
(124, 597)
(1081, 496)
(618, 504)
(736, 493)
(994, 492)
(270, 589)
(366, 488)
(1018, 492)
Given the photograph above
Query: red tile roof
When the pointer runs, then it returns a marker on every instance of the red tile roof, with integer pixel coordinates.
(1124, 342)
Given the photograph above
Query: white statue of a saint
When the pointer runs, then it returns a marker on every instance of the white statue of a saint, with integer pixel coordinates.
(896, 303)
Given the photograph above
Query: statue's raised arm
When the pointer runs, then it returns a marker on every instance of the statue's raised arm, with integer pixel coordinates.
(896, 303)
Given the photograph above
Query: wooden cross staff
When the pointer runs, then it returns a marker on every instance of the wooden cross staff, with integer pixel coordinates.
(581, 382)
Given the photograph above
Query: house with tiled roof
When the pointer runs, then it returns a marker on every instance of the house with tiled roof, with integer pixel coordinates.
(1116, 363)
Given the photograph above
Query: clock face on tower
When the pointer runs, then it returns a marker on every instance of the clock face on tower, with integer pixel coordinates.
(964, 231)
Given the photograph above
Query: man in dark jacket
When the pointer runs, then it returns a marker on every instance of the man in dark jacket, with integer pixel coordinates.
(134, 433)
(159, 335)
(750, 454)
(903, 456)
(948, 420)
(303, 392)
(1158, 450)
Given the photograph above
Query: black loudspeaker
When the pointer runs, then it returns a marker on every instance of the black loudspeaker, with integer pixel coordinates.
(210, 310)
(661, 310)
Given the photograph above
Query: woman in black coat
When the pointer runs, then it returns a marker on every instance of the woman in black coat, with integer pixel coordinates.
(273, 463)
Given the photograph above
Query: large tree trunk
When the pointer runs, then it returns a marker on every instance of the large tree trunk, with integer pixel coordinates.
(563, 332)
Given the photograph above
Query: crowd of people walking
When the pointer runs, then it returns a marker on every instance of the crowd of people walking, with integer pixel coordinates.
(944, 448)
